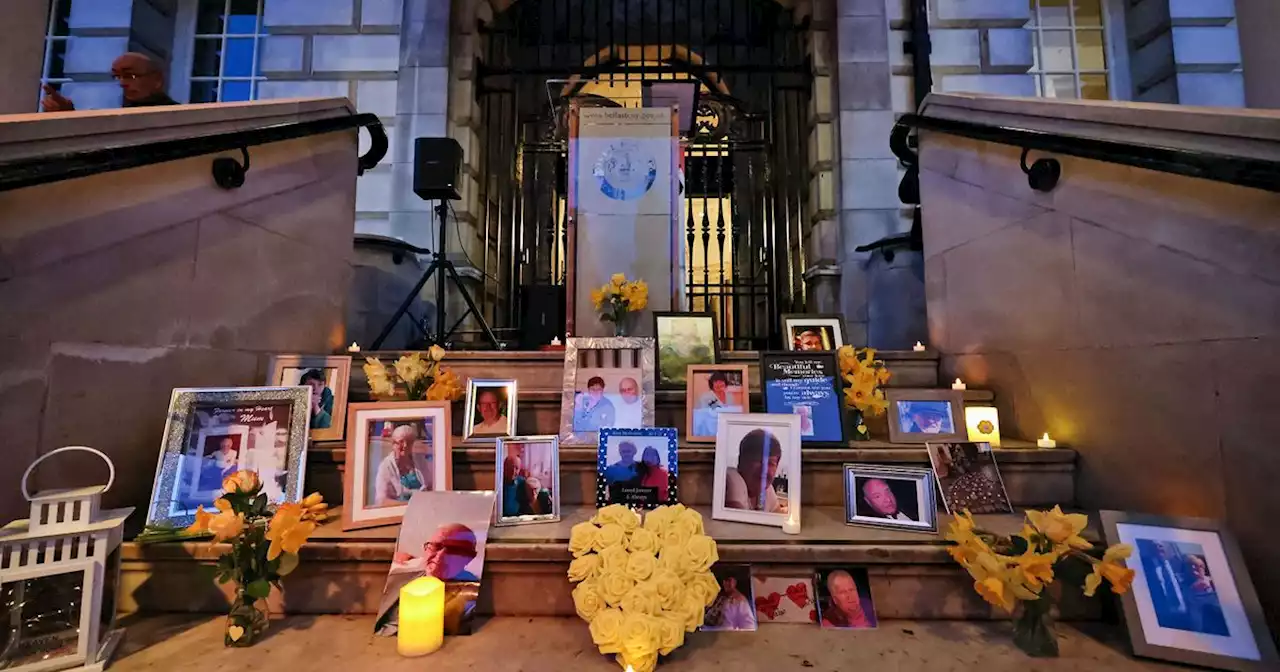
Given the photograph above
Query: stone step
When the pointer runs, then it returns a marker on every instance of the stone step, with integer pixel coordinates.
(911, 574)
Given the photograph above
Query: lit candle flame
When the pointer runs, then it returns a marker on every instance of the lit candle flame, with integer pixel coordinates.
(354, 347)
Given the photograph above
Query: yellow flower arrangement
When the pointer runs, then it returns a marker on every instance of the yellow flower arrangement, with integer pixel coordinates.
(421, 374)
(864, 378)
(1009, 571)
(618, 297)
(642, 584)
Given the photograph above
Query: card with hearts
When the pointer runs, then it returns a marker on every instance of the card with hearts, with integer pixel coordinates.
(784, 599)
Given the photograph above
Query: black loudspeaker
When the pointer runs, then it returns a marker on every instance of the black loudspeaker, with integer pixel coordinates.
(436, 162)
(541, 315)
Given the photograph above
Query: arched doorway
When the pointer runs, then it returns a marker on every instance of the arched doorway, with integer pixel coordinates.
(746, 166)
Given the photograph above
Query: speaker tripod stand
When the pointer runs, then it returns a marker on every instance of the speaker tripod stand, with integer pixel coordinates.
(444, 271)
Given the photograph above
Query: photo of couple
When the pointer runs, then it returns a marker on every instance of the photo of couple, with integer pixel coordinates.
(527, 474)
(607, 398)
(637, 467)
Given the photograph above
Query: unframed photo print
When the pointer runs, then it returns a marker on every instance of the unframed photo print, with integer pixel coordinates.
(734, 607)
(844, 599)
(784, 598)
(968, 478)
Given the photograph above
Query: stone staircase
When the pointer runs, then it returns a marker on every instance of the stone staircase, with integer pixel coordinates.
(343, 572)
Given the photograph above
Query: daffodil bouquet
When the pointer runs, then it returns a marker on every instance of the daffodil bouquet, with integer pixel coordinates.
(1009, 571)
(618, 298)
(864, 376)
(642, 584)
(421, 375)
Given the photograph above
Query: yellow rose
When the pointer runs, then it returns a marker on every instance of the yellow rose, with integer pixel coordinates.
(614, 560)
(640, 566)
(642, 541)
(690, 520)
(671, 633)
(657, 520)
(645, 663)
(613, 587)
(242, 481)
(582, 538)
(667, 585)
(640, 600)
(606, 630)
(676, 534)
(226, 525)
(611, 534)
(202, 521)
(692, 609)
(702, 553)
(617, 513)
(587, 600)
(674, 558)
(710, 587)
(584, 568)
(640, 634)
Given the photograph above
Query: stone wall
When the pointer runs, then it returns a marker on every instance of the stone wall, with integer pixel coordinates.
(1258, 22)
(1185, 51)
(22, 54)
(119, 287)
(1133, 314)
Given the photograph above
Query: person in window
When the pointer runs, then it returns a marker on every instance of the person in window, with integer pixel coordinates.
(321, 398)
(141, 81)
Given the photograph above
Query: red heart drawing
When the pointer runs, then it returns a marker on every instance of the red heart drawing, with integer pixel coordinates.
(813, 615)
(769, 605)
(798, 593)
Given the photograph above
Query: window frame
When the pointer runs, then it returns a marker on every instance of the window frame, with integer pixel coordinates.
(1114, 45)
(185, 39)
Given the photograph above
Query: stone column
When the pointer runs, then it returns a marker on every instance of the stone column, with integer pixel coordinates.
(1258, 23)
(1185, 52)
(822, 237)
(981, 46)
(22, 54)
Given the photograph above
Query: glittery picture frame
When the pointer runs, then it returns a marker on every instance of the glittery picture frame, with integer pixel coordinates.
(180, 481)
(604, 355)
(644, 438)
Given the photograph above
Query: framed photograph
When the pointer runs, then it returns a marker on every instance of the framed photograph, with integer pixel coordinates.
(813, 332)
(214, 432)
(757, 469)
(491, 409)
(637, 467)
(608, 382)
(327, 377)
(920, 416)
(784, 598)
(683, 339)
(806, 384)
(1192, 601)
(443, 535)
(734, 608)
(712, 389)
(968, 477)
(527, 472)
(394, 449)
(901, 498)
(844, 599)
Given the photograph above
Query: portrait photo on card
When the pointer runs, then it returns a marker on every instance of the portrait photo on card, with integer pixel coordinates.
(813, 332)
(734, 607)
(443, 535)
(527, 471)
(757, 468)
(922, 415)
(490, 409)
(806, 384)
(709, 391)
(784, 598)
(212, 433)
(893, 497)
(326, 378)
(968, 477)
(683, 339)
(844, 599)
(637, 467)
(394, 449)
(608, 382)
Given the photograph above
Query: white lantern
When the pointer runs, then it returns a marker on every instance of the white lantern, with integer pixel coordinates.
(54, 568)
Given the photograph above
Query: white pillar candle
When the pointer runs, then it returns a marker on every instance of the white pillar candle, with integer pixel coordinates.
(421, 629)
(791, 526)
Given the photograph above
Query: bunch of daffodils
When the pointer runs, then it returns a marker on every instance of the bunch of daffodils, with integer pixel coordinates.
(619, 297)
(642, 584)
(422, 377)
(864, 375)
(1007, 570)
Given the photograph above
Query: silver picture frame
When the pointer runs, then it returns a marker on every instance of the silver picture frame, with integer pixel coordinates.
(604, 353)
(498, 479)
(184, 405)
(474, 386)
(926, 496)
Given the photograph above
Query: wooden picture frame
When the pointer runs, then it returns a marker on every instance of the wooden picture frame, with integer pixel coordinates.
(807, 384)
(925, 504)
(732, 432)
(337, 385)
(619, 359)
(666, 367)
(360, 472)
(828, 329)
(475, 386)
(502, 517)
(898, 432)
(1229, 606)
(695, 399)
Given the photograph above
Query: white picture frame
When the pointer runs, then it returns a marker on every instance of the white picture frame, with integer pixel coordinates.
(732, 431)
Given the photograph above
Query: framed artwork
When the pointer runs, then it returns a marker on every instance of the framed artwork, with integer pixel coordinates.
(683, 339)
(712, 389)
(813, 332)
(608, 382)
(327, 377)
(901, 498)
(1192, 601)
(757, 468)
(844, 599)
(784, 598)
(637, 467)
(527, 480)
(394, 449)
(806, 384)
(920, 415)
(491, 409)
(968, 477)
(212, 433)
(734, 607)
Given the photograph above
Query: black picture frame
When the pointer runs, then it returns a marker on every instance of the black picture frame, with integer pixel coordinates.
(778, 399)
(833, 320)
(661, 379)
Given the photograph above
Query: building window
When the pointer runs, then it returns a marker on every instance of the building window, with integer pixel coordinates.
(1070, 49)
(224, 60)
(55, 44)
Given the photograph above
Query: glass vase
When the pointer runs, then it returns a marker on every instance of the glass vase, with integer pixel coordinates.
(1033, 628)
(857, 426)
(247, 622)
(622, 325)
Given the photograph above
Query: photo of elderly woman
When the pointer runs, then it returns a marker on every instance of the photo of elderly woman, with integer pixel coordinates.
(528, 475)
(400, 460)
(756, 480)
(710, 392)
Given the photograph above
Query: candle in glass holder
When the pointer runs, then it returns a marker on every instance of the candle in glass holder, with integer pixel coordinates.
(1046, 442)
(919, 347)
(421, 628)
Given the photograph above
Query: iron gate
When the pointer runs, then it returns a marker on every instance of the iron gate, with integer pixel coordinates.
(746, 165)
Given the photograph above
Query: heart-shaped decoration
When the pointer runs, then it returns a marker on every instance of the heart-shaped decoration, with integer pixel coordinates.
(769, 605)
(235, 632)
(798, 593)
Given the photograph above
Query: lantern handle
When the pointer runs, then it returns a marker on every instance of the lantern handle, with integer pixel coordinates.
(111, 468)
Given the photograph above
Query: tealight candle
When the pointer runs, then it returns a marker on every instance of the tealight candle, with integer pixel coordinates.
(1046, 442)
(354, 347)
(919, 347)
(791, 526)
(958, 385)
(555, 340)
(421, 617)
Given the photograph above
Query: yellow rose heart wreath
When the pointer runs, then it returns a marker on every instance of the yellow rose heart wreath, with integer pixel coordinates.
(641, 584)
